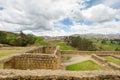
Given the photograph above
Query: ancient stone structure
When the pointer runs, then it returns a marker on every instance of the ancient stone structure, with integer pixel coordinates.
(103, 61)
(91, 52)
(58, 75)
(48, 57)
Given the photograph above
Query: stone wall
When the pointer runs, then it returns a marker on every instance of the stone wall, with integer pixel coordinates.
(90, 52)
(35, 60)
(103, 61)
(43, 49)
(113, 66)
(99, 59)
(117, 57)
(58, 75)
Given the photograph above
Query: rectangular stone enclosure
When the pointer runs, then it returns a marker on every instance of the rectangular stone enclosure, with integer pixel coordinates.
(48, 57)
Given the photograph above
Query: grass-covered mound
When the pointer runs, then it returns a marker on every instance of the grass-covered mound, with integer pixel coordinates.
(85, 65)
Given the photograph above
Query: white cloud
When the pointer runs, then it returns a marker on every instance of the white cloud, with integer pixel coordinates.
(41, 17)
(36, 14)
(111, 27)
(50, 33)
(111, 3)
(80, 28)
(99, 13)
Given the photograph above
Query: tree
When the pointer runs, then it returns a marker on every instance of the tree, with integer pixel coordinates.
(81, 43)
(2, 37)
(117, 49)
(103, 41)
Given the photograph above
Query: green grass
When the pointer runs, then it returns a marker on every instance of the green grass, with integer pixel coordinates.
(85, 65)
(62, 45)
(111, 59)
(40, 41)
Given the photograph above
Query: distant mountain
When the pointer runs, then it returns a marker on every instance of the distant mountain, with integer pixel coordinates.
(99, 36)
(8, 33)
(87, 36)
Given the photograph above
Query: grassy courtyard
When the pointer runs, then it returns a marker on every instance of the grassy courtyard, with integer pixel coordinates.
(85, 65)
(113, 60)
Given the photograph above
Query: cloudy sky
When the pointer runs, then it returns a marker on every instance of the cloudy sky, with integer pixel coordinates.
(60, 17)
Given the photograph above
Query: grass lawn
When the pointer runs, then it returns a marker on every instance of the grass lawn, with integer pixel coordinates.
(40, 41)
(111, 59)
(85, 65)
(62, 45)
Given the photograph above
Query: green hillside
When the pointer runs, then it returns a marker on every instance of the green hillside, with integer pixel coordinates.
(73, 43)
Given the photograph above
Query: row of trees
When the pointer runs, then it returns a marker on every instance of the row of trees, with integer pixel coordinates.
(16, 39)
(80, 43)
(114, 41)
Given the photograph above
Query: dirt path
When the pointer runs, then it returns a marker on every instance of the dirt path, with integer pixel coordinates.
(77, 58)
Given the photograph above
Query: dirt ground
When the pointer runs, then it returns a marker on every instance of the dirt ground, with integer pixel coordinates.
(76, 58)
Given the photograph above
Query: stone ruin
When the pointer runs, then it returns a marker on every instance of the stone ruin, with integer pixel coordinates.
(47, 57)
(32, 65)
(58, 75)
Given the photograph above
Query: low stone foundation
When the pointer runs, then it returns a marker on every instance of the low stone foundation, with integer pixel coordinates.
(43, 49)
(58, 75)
(103, 61)
(33, 61)
(99, 59)
(90, 52)
(46, 57)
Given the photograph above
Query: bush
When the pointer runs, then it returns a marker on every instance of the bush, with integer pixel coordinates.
(81, 43)
(16, 39)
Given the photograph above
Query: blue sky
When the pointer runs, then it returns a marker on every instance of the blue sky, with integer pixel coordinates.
(60, 17)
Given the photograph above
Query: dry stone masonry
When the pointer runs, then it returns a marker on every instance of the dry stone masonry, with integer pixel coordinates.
(38, 58)
(91, 52)
(100, 59)
(32, 65)
(58, 75)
